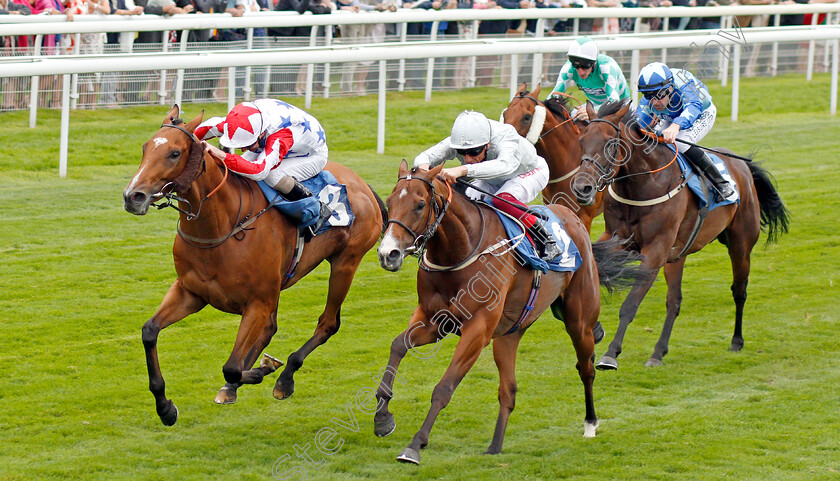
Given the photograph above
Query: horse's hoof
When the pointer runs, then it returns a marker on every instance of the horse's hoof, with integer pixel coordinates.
(409, 456)
(589, 428)
(284, 392)
(227, 395)
(607, 363)
(493, 450)
(170, 416)
(653, 362)
(736, 346)
(270, 362)
(598, 332)
(386, 427)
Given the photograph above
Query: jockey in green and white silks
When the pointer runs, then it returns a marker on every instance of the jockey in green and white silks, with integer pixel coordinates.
(597, 75)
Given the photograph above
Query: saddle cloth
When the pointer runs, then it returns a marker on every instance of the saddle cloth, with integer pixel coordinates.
(694, 181)
(568, 261)
(327, 189)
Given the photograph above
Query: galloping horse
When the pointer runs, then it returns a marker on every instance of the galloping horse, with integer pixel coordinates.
(549, 126)
(494, 298)
(660, 217)
(228, 257)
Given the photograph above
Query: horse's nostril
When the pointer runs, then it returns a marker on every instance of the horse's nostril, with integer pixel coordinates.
(138, 198)
(394, 255)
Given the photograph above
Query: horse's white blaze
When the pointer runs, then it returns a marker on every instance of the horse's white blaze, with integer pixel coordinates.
(403, 193)
(134, 181)
(388, 244)
(160, 141)
(589, 429)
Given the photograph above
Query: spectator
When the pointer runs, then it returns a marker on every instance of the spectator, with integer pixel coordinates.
(47, 85)
(493, 28)
(603, 25)
(354, 77)
(317, 7)
(13, 97)
(90, 44)
(125, 40)
(516, 29)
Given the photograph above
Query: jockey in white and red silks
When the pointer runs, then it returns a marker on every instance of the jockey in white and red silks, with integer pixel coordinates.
(281, 145)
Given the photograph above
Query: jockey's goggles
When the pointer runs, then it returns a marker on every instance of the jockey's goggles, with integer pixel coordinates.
(582, 63)
(657, 94)
(473, 152)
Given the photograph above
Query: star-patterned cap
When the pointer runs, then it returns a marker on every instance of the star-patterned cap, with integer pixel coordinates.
(243, 126)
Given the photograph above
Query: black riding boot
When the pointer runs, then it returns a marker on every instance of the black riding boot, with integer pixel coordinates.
(294, 190)
(701, 159)
(546, 247)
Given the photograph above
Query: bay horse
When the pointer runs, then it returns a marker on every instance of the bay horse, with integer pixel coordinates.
(660, 218)
(484, 294)
(236, 255)
(550, 127)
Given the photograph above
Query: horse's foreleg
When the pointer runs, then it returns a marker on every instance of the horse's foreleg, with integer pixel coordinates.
(341, 275)
(176, 305)
(253, 336)
(504, 353)
(626, 314)
(673, 277)
(420, 332)
(474, 337)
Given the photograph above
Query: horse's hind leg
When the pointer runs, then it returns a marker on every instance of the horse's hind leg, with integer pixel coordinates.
(259, 339)
(176, 305)
(673, 277)
(341, 276)
(739, 255)
(504, 353)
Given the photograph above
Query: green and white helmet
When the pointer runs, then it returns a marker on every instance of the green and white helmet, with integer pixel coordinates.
(584, 48)
(471, 129)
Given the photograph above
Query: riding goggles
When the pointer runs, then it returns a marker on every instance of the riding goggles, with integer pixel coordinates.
(584, 64)
(473, 152)
(657, 94)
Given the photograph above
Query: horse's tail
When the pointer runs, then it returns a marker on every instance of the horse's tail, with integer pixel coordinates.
(775, 217)
(617, 267)
(382, 209)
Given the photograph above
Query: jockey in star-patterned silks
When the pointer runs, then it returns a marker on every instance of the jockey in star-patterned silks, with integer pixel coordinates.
(281, 145)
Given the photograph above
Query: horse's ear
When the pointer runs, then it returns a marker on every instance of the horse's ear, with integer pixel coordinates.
(172, 115)
(435, 171)
(522, 88)
(590, 110)
(536, 92)
(622, 112)
(403, 169)
(194, 123)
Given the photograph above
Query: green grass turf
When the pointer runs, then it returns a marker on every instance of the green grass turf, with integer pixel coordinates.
(79, 276)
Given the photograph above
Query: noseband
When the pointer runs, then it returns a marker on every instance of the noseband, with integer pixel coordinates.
(436, 213)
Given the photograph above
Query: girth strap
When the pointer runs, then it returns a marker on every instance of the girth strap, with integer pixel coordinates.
(529, 306)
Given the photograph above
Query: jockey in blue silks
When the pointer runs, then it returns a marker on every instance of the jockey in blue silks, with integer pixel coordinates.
(679, 105)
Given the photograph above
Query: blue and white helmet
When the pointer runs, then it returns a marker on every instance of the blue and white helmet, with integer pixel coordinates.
(655, 76)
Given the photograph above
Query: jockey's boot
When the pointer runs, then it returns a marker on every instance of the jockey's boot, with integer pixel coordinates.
(546, 246)
(701, 159)
(294, 190)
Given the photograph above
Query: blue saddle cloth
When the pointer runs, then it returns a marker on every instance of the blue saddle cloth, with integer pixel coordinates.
(694, 181)
(326, 189)
(570, 258)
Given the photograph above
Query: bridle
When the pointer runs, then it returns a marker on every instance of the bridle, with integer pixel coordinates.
(436, 213)
(187, 176)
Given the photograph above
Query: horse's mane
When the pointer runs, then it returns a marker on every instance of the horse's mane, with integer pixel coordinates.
(629, 120)
(557, 105)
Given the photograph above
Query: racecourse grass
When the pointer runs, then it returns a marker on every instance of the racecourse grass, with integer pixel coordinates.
(79, 276)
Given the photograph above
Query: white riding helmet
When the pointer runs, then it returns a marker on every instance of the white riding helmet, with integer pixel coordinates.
(471, 129)
(584, 48)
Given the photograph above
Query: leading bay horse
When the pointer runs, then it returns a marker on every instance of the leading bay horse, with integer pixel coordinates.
(472, 285)
(235, 256)
(549, 126)
(658, 216)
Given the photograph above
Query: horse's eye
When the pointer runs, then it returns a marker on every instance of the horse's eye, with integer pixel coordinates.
(421, 205)
(526, 118)
(174, 154)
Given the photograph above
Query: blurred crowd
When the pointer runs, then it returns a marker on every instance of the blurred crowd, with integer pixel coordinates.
(110, 90)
